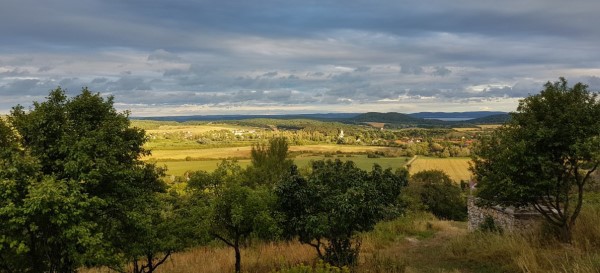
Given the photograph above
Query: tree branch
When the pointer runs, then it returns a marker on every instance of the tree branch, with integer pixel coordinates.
(163, 259)
(223, 239)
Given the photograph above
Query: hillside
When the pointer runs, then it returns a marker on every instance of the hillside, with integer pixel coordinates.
(455, 115)
(493, 119)
(390, 119)
(393, 119)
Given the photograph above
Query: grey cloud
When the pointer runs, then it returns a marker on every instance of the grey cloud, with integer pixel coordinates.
(24, 86)
(315, 74)
(15, 72)
(99, 80)
(128, 83)
(362, 69)
(270, 74)
(441, 71)
(45, 68)
(163, 55)
(411, 69)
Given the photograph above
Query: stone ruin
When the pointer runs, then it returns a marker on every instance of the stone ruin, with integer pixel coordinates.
(510, 219)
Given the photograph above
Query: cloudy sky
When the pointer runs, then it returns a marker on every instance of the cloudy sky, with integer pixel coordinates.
(186, 57)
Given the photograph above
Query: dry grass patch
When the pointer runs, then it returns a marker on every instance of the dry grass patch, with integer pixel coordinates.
(195, 129)
(456, 167)
(244, 152)
(262, 258)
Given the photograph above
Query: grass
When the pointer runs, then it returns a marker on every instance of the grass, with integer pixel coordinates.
(244, 152)
(195, 129)
(456, 167)
(418, 242)
(179, 167)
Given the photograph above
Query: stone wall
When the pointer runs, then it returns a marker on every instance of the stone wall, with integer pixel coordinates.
(508, 218)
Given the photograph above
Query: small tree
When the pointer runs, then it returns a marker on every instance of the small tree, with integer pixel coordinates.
(438, 194)
(336, 201)
(269, 162)
(236, 211)
(544, 155)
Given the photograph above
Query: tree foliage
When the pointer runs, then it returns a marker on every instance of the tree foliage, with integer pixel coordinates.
(73, 185)
(269, 162)
(235, 211)
(438, 194)
(544, 156)
(336, 200)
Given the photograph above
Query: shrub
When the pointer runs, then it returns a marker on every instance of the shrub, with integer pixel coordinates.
(438, 194)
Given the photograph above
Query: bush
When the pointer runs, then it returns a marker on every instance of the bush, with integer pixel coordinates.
(438, 194)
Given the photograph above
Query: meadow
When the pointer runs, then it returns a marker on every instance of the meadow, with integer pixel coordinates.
(244, 152)
(416, 243)
(179, 167)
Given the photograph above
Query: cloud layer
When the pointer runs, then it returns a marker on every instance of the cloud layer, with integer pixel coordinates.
(268, 56)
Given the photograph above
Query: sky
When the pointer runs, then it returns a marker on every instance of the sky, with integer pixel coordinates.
(196, 57)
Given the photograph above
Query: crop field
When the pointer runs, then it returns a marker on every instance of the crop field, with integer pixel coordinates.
(244, 152)
(179, 167)
(195, 129)
(456, 167)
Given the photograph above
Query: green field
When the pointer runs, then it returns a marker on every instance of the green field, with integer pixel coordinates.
(179, 167)
(244, 152)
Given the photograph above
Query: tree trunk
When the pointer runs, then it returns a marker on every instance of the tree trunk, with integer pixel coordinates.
(238, 258)
(565, 235)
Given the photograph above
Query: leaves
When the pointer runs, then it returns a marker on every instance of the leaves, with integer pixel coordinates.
(543, 156)
(334, 202)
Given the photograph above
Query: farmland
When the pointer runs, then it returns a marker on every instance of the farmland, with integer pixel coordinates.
(244, 152)
(456, 168)
(179, 167)
(183, 147)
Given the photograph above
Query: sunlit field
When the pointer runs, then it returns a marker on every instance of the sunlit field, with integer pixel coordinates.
(244, 152)
(179, 167)
(456, 167)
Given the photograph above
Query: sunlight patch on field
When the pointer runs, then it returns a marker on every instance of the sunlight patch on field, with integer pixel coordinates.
(244, 152)
(178, 168)
(195, 129)
(456, 168)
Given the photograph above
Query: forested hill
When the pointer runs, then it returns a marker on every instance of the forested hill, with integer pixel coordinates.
(455, 115)
(393, 118)
(493, 119)
(432, 119)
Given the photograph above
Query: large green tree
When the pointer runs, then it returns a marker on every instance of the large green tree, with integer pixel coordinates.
(333, 203)
(544, 155)
(72, 182)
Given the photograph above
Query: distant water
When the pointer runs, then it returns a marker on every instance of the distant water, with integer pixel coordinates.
(451, 119)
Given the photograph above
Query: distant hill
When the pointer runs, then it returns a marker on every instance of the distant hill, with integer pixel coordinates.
(493, 119)
(326, 116)
(455, 115)
(391, 119)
